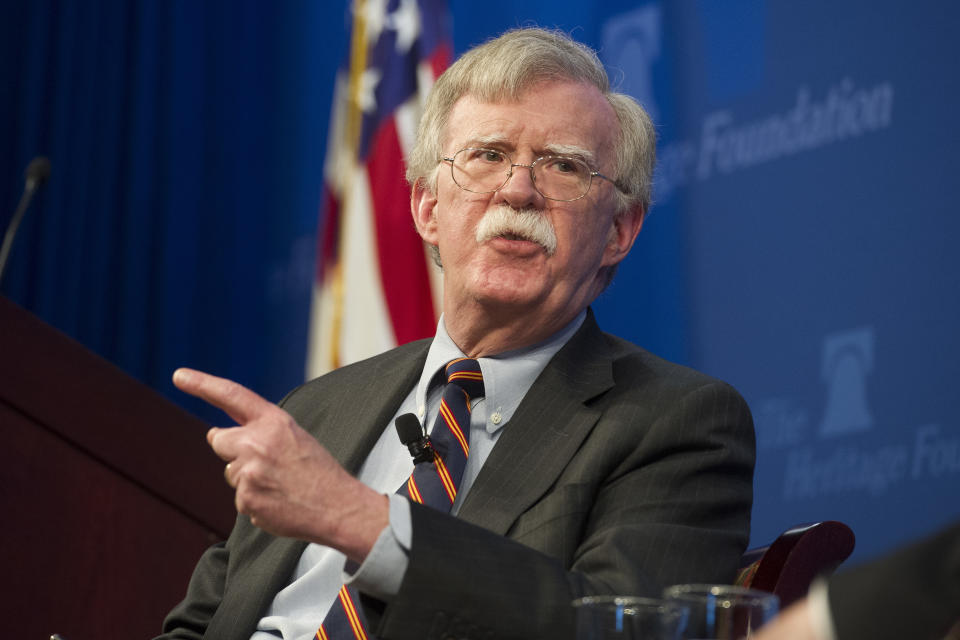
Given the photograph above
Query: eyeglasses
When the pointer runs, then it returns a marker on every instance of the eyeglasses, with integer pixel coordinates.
(562, 178)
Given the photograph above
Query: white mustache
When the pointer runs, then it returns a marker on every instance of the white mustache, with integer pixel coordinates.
(503, 221)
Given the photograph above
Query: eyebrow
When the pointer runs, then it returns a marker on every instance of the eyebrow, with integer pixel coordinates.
(501, 141)
(573, 151)
(490, 140)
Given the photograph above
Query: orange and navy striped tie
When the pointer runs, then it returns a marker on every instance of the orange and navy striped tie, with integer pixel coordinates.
(433, 484)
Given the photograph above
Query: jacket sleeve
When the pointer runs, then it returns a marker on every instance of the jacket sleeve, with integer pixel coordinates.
(641, 506)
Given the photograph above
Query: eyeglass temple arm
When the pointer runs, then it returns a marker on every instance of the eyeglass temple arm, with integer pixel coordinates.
(597, 174)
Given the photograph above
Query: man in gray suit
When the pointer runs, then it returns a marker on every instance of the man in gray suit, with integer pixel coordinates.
(593, 467)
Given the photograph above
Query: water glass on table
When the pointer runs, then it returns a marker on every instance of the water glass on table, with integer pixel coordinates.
(629, 618)
(723, 612)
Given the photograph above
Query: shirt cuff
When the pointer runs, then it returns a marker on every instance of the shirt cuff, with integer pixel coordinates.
(818, 609)
(382, 571)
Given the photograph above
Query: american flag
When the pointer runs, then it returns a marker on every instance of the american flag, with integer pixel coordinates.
(375, 287)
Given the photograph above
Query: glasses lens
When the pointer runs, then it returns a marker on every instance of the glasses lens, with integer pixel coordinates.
(480, 170)
(486, 170)
(561, 178)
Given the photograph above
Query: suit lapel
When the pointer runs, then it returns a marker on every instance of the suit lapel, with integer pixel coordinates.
(544, 433)
(348, 429)
(366, 401)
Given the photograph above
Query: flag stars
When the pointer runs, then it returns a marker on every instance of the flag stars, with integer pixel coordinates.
(374, 15)
(366, 90)
(406, 22)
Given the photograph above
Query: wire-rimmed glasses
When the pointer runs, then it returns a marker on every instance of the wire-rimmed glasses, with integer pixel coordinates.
(481, 170)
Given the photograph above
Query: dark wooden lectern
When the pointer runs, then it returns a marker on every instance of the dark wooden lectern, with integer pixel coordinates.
(108, 492)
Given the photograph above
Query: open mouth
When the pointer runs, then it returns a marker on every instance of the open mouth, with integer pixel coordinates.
(516, 244)
(515, 236)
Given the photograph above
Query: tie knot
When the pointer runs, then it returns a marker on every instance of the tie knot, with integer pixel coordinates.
(465, 373)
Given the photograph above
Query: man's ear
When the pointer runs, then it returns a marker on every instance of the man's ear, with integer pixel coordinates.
(423, 206)
(624, 232)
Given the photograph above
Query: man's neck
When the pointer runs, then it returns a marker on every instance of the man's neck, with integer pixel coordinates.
(480, 332)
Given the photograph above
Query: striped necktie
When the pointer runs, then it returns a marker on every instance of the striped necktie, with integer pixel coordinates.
(434, 484)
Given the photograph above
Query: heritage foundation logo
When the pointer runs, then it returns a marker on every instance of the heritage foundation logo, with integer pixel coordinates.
(849, 450)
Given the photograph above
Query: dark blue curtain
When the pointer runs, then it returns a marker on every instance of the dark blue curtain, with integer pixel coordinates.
(187, 141)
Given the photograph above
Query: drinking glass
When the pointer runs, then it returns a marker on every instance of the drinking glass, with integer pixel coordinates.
(723, 612)
(629, 618)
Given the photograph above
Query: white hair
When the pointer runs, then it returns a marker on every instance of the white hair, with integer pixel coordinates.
(502, 69)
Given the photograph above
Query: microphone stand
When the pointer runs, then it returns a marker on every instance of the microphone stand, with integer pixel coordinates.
(36, 174)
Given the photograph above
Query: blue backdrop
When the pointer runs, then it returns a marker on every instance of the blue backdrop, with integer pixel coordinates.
(800, 246)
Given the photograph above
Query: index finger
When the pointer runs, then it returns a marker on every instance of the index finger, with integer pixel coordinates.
(234, 399)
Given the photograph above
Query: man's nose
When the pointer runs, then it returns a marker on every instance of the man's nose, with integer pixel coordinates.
(520, 192)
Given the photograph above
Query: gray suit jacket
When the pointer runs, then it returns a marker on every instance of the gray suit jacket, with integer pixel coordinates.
(619, 473)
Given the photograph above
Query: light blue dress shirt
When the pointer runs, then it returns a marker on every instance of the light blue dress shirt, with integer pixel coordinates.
(298, 610)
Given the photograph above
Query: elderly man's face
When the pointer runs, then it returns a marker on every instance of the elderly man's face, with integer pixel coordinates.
(513, 270)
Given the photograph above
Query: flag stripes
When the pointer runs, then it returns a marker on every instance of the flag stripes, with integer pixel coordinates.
(375, 285)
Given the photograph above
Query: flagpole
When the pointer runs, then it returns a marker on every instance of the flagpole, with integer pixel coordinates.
(358, 63)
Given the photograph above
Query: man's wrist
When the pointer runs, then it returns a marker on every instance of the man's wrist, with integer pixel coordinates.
(381, 573)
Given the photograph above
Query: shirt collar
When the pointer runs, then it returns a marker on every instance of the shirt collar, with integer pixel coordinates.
(506, 376)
